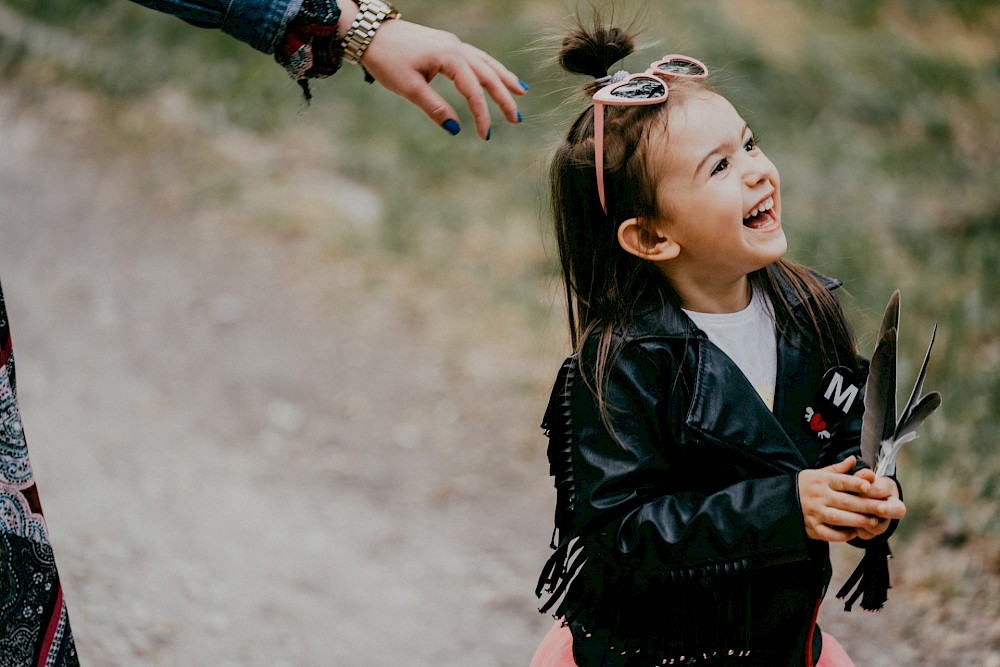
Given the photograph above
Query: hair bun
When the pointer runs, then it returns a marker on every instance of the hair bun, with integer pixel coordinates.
(593, 52)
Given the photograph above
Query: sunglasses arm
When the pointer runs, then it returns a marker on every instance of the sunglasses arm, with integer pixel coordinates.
(599, 150)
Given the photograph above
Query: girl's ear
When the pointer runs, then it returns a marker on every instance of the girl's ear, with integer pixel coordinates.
(646, 243)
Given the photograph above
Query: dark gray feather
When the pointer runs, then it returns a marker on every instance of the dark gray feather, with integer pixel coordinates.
(879, 421)
(918, 386)
(912, 421)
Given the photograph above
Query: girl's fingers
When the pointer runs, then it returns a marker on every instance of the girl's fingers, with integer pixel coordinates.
(828, 534)
(842, 518)
(838, 505)
(847, 502)
(885, 508)
(866, 474)
(891, 509)
(884, 488)
(850, 484)
(842, 467)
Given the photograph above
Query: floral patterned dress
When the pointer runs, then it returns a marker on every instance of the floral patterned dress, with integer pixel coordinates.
(34, 625)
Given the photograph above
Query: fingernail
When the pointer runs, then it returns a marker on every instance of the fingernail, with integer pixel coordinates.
(489, 133)
(451, 127)
(520, 118)
(524, 85)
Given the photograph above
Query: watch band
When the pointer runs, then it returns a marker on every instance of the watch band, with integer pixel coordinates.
(371, 14)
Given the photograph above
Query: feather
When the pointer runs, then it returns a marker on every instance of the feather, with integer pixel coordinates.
(882, 435)
(905, 432)
(912, 421)
(918, 387)
(889, 332)
(880, 398)
(880, 390)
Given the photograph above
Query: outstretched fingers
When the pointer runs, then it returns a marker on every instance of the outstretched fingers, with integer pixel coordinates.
(405, 57)
(499, 82)
(475, 74)
(468, 83)
(416, 90)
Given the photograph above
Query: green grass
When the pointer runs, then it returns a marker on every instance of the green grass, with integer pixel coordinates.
(880, 115)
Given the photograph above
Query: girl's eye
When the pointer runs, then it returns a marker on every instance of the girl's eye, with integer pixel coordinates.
(751, 144)
(723, 164)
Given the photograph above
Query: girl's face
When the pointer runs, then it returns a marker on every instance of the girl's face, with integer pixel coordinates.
(720, 194)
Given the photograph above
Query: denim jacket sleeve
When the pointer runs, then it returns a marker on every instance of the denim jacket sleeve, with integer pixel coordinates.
(259, 23)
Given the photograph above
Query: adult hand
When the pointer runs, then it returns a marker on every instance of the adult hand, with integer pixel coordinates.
(404, 57)
(838, 506)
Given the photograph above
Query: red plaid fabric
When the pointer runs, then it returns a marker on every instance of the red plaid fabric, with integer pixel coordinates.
(311, 47)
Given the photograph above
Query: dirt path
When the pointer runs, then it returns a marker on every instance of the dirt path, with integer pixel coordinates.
(242, 463)
(251, 455)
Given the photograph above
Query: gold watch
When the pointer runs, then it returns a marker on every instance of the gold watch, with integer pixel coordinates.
(371, 14)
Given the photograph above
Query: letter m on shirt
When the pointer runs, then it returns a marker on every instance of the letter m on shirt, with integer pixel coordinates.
(841, 397)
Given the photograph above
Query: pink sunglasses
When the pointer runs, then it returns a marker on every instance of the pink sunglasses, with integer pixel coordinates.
(636, 90)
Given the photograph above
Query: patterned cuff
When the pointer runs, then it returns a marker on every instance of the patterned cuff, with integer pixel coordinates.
(311, 46)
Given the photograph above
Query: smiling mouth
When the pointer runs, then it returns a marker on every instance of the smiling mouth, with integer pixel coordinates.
(762, 216)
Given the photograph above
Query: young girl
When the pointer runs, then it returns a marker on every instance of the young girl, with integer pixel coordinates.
(704, 435)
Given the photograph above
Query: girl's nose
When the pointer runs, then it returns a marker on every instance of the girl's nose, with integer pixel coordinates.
(757, 169)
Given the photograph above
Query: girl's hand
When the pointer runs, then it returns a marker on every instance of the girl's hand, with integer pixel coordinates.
(883, 489)
(405, 56)
(838, 506)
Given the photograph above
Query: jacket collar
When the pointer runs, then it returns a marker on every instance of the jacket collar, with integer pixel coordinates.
(725, 409)
(665, 318)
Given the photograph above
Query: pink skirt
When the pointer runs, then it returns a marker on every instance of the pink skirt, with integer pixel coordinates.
(556, 650)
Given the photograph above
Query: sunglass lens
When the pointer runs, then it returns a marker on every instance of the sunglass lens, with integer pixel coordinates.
(639, 89)
(681, 68)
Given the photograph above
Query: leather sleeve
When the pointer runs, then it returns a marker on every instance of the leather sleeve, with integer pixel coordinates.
(653, 493)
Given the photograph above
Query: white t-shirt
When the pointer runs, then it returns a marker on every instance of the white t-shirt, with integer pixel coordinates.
(748, 338)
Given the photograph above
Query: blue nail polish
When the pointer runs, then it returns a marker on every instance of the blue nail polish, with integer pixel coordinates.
(520, 118)
(489, 133)
(524, 85)
(451, 127)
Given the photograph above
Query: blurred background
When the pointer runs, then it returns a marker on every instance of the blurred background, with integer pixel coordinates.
(282, 369)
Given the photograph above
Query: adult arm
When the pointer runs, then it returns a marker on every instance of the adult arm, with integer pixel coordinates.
(259, 23)
(403, 56)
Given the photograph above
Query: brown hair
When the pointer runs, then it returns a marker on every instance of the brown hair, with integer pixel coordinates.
(604, 284)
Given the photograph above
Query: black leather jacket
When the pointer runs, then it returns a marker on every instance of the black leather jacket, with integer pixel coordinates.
(678, 529)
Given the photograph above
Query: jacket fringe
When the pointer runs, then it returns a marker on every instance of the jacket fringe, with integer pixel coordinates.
(668, 616)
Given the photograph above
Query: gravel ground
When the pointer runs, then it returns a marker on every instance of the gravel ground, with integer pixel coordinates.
(252, 454)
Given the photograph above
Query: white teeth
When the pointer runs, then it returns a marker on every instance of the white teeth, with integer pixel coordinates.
(766, 205)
